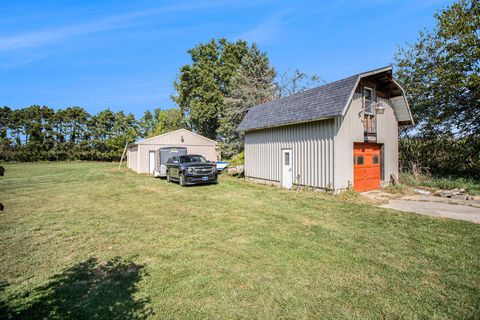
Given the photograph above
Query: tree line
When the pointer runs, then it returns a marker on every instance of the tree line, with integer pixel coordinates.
(42, 133)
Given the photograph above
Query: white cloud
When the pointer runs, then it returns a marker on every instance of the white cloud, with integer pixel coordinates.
(39, 38)
(266, 30)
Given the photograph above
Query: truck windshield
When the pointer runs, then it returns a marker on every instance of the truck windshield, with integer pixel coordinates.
(189, 159)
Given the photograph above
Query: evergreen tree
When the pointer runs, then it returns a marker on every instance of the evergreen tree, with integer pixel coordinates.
(253, 84)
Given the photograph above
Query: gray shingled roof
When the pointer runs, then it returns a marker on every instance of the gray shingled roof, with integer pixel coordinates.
(322, 102)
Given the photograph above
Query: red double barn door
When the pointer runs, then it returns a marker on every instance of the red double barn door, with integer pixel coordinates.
(366, 166)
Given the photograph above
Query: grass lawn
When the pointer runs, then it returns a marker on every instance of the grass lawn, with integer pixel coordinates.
(83, 240)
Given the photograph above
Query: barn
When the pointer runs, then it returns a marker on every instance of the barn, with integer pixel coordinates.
(141, 154)
(340, 135)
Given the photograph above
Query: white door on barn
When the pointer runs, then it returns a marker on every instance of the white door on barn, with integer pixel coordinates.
(287, 172)
(151, 162)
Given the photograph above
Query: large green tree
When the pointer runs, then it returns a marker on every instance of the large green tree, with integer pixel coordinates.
(252, 84)
(202, 86)
(167, 120)
(161, 121)
(441, 73)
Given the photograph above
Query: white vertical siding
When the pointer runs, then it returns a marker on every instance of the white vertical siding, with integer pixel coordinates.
(387, 133)
(132, 155)
(350, 130)
(195, 144)
(312, 147)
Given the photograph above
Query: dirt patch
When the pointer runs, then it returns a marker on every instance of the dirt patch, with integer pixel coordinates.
(151, 189)
(117, 170)
(309, 222)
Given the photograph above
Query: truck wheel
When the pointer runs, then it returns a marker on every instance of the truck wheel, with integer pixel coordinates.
(181, 180)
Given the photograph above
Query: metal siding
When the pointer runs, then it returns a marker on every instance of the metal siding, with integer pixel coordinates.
(175, 138)
(387, 133)
(400, 108)
(132, 158)
(350, 130)
(311, 166)
(194, 143)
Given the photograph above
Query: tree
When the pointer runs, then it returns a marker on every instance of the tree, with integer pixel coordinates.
(146, 124)
(167, 120)
(124, 130)
(5, 115)
(289, 83)
(253, 84)
(38, 131)
(16, 122)
(100, 129)
(202, 86)
(161, 121)
(76, 119)
(441, 73)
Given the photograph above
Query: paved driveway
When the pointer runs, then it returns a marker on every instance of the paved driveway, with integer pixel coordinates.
(468, 210)
(436, 209)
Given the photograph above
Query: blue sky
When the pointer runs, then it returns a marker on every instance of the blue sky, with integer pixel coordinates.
(125, 54)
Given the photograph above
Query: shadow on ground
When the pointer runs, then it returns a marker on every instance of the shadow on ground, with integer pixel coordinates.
(88, 290)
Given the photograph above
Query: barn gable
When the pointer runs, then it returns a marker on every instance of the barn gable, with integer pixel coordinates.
(178, 137)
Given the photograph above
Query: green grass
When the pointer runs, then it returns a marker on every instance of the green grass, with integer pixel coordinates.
(472, 186)
(83, 240)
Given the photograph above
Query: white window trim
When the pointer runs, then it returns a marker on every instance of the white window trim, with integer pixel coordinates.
(373, 98)
(371, 90)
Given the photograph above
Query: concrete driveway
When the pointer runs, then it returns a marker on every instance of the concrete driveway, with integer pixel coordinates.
(468, 210)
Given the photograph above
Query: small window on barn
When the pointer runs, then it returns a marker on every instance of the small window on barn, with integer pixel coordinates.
(360, 160)
(368, 93)
(375, 159)
(287, 158)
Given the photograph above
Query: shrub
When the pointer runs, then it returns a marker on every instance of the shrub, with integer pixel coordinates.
(238, 159)
(440, 155)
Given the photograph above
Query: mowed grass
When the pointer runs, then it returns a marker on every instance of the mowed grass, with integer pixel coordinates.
(83, 240)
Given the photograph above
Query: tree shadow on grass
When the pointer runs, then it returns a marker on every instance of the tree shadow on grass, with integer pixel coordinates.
(4, 311)
(88, 290)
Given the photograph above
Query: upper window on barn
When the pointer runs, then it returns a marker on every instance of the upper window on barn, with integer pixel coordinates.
(368, 93)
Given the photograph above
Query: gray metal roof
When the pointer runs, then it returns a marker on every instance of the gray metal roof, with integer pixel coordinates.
(326, 101)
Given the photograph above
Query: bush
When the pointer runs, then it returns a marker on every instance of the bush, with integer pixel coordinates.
(441, 155)
(238, 159)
